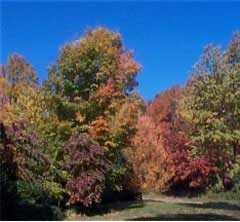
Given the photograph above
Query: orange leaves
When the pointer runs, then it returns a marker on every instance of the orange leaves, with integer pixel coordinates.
(152, 155)
(127, 64)
(128, 69)
(107, 92)
(150, 159)
(162, 107)
(99, 129)
(160, 153)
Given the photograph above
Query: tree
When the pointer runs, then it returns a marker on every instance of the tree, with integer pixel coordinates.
(151, 161)
(19, 74)
(211, 105)
(18, 81)
(89, 84)
(157, 141)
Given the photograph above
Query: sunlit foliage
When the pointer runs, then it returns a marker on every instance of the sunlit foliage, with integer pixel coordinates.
(85, 133)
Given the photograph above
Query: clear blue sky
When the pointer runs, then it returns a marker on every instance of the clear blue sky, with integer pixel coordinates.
(167, 38)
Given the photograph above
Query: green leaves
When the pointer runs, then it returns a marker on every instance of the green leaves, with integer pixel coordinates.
(210, 104)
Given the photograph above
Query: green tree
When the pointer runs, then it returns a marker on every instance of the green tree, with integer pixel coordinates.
(211, 105)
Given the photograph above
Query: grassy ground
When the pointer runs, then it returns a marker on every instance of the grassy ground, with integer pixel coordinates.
(155, 207)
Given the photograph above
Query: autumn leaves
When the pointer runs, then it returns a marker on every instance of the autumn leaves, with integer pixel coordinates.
(90, 134)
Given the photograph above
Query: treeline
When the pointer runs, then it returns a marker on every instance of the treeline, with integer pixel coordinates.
(189, 137)
(85, 136)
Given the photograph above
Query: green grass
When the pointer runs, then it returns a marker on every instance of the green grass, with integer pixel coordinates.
(185, 209)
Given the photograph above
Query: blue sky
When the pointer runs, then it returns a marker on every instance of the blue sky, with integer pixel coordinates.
(167, 37)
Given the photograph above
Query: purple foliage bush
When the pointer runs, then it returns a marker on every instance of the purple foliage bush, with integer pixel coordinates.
(88, 167)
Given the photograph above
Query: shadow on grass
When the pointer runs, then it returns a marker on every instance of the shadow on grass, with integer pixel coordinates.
(206, 205)
(215, 205)
(186, 217)
(120, 206)
(29, 212)
(107, 208)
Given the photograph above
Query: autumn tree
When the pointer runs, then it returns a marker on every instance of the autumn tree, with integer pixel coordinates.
(90, 87)
(152, 163)
(211, 105)
(157, 141)
(18, 73)
(18, 79)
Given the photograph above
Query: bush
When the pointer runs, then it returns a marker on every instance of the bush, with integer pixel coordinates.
(31, 193)
(222, 196)
(22, 161)
(26, 211)
(88, 167)
(235, 175)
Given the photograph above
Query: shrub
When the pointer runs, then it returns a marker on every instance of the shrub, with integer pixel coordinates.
(235, 175)
(23, 162)
(88, 167)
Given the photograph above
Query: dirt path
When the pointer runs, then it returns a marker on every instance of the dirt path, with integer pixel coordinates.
(179, 200)
(172, 200)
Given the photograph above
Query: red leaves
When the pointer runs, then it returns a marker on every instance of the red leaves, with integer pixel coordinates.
(23, 146)
(159, 145)
(190, 173)
(163, 153)
(88, 166)
(227, 181)
(163, 107)
(196, 174)
(86, 188)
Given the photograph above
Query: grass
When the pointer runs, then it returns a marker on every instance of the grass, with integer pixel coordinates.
(162, 208)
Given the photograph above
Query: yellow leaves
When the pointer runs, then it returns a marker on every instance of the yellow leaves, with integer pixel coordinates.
(80, 118)
(18, 70)
(28, 106)
(128, 64)
(6, 115)
(4, 88)
(4, 99)
(110, 144)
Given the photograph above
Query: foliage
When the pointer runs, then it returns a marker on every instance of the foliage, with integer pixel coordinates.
(234, 173)
(19, 74)
(88, 167)
(151, 161)
(211, 106)
(27, 154)
(90, 86)
(23, 166)
(85, 134)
